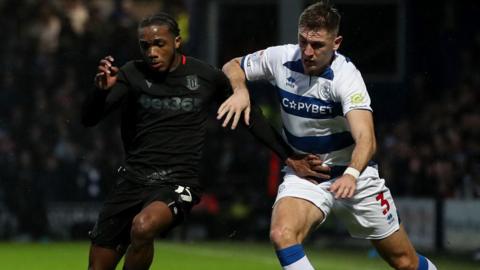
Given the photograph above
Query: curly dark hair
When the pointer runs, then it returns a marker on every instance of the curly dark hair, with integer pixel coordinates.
(161, 18)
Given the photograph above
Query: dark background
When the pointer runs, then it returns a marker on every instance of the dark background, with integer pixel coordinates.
(420, 66)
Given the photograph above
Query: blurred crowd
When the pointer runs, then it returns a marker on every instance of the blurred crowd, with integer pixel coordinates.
(48, 59)
(432, 149)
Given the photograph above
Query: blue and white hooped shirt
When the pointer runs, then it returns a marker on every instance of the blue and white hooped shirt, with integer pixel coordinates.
(313, 107)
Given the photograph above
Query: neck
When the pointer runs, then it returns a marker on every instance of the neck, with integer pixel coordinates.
(175, 61)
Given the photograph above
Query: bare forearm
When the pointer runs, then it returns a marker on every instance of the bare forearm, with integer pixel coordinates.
(361, 124)
(363, 152)
(235, 74)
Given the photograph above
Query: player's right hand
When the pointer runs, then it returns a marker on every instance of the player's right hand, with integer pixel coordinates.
(237, 103)
(106, 73)
(344, 187)
(310, 167)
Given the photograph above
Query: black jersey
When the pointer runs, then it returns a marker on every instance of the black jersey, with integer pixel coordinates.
(164, 115)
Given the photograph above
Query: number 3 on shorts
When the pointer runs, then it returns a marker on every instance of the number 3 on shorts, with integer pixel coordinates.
(383, 202)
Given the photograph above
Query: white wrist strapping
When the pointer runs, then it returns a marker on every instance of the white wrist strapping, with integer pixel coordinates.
(352, 171)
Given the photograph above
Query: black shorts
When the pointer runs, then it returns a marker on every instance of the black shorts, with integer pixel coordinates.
(127, 199)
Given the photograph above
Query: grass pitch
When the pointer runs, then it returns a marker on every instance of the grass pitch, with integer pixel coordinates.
(201, 256)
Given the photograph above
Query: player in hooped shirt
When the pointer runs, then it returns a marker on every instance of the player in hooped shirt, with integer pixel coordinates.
(325, 109)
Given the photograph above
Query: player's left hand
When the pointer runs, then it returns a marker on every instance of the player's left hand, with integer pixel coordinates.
(344, 187)
(237, 103)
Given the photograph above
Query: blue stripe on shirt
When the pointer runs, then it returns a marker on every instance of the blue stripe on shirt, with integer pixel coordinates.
(320, 144)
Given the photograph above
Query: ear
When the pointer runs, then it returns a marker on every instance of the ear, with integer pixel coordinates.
(178, 42)
(337, 42)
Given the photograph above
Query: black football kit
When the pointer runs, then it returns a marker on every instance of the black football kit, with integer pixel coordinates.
(163, 129)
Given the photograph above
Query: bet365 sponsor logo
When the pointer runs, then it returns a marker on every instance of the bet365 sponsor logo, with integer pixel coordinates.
(186, 104)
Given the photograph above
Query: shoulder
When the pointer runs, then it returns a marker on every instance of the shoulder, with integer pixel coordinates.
(132, 65)
(284, 49)
(193, 62)
(134, 68)
(197, 66)
(274, 57)
(348, 82)
(345, 70)
(282, 52)
(132, 71)
(342, 65)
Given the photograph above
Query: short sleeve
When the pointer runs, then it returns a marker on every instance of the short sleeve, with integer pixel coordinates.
(261, 65)
(352, 92)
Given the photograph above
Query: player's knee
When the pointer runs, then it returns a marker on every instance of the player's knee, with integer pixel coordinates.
(283, 236)
(143, 228)
(404, 262)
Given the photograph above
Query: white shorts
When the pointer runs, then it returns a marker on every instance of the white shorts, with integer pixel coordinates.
(369, 214)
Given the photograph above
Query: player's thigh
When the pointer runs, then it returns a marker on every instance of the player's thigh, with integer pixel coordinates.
(112, 229)
(165, 207)
(297, 215)
(301, 204)
(396, 247)
(155, 218)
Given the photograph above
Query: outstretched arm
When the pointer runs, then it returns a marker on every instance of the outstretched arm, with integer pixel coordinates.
(308, 166)
(240, 100)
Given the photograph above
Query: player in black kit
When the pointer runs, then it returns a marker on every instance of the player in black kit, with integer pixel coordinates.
(164, 101)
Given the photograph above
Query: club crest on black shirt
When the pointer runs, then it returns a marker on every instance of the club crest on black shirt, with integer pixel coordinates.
(192, 82)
